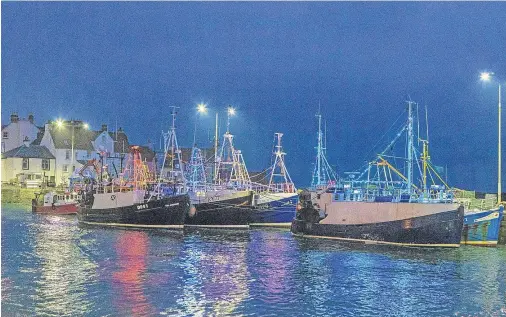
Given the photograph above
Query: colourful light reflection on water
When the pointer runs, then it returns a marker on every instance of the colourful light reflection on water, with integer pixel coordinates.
(53, 267)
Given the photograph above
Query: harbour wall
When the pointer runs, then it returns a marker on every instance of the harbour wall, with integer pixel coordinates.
(16, 195)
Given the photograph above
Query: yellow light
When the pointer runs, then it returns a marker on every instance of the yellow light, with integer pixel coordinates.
(202, 108)
(59, 123)
(231, 111)
(86, 126)
(485, 76)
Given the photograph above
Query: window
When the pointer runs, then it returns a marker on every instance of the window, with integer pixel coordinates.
(38, 177)
(65, 168)
(67, 154)
(26, 164)
(5, 135)
(45, 165)
(73, 168)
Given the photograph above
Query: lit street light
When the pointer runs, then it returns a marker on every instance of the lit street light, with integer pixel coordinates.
(60, 123)
(487, 77)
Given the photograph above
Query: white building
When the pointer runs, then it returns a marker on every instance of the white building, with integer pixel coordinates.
(14, 133)
(73, 145)
(28, 165)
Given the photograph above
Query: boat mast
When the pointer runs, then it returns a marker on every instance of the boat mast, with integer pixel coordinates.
(322, 173)
(288, 185)
(175, 173)
(410, 145)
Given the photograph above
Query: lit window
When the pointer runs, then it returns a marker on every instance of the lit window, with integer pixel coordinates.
(26, 164)
(67, 155)
(45, 165)
(5, 135)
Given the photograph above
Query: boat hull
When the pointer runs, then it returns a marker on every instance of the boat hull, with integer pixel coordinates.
(482, 228)
(168, 212)
(274, 210)
(227, 211)
(411, 224)
(67, 209)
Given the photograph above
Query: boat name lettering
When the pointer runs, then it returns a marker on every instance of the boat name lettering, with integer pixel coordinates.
(175, 204)
(113, 197)
(142, 206)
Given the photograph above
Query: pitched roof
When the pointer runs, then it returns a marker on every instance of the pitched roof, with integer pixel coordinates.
(40, 134)
(120, 139)
(32, 151)
(62, 138)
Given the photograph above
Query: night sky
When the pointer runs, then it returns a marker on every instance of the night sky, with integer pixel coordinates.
(128, 62)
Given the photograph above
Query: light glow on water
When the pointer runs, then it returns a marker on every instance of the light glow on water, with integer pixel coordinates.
(52, 266)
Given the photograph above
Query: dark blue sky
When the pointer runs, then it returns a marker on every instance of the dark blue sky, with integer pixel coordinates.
(129, 62)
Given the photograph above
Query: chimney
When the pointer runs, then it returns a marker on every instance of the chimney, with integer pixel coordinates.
(26, 141)
(14, 117)
(104, 127)
(30, 118)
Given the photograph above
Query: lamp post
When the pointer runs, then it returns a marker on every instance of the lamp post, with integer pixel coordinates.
(60, 123)
(202, 109)
(486, 77)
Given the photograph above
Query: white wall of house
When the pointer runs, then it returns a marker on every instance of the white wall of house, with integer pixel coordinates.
(13, 166)
(64, 164)
(14, 134)
(104, 142)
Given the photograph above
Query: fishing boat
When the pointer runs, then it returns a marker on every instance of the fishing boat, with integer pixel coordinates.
(56, 203)
(482, 225)
(134, 200)
(387, 207)
(225, 201)
(275, 205)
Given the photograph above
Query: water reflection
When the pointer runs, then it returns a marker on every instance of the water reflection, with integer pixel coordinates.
(216, 275)
(64, 271)
(128, 281)
(270, 261)
(50, 266)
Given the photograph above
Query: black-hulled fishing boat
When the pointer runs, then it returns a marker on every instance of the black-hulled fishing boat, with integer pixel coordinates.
(134, 208)
(225, 202)
(398, 223)
(382, 209)
(133, 200)
(227, 208)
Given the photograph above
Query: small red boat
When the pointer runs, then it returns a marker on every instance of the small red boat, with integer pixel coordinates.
(56, 203)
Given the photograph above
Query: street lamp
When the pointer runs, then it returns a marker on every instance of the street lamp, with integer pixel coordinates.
(201, 109)
(487, 77)
(230, 113)
(60, 123)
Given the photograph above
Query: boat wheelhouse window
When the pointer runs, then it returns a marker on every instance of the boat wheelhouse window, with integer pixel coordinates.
(46, 165)
(65, 168)
(55, 198)
(26, 163)
(5, 135)
(67, 154)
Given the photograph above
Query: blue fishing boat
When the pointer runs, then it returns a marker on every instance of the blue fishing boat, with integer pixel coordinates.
(276, 204)
(482, 227)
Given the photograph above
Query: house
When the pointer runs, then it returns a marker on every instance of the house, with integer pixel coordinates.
(28, 165)
(73, 144)
(14, 133)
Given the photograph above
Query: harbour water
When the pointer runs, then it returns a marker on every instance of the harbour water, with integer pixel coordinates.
(51, 266)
